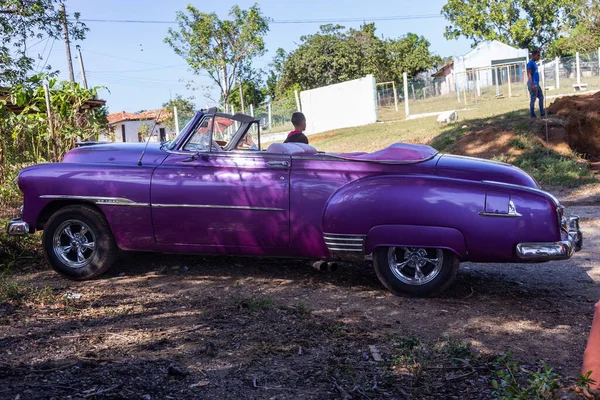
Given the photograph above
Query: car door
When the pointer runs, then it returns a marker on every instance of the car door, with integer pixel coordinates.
(238, 198)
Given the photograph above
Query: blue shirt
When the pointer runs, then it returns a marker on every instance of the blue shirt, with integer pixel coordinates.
(534, 71)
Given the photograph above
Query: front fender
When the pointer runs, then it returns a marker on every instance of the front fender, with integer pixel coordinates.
(417, 236)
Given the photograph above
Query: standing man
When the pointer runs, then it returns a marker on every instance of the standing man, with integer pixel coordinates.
(533, 84)
(297, 135)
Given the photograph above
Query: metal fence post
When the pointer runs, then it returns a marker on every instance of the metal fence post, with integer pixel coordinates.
(395, 95)
(557, 72)
(298, 108)
(578, 70)
(543, 74)
(509, 86)
(457, 87)
(405, 78)
(497, 82)
(270, 112)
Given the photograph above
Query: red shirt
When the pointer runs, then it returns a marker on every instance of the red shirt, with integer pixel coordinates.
(296, 137)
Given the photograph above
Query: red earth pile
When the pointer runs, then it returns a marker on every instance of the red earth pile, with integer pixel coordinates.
(581, 115)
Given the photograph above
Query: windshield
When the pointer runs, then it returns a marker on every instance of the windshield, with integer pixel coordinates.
(171, 145)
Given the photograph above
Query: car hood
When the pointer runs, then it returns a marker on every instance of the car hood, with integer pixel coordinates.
(117, 153)
(476, 169)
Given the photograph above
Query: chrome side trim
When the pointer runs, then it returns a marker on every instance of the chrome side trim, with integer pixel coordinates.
(540, 191)
(106, 201)
(214, 206)
(512, 212)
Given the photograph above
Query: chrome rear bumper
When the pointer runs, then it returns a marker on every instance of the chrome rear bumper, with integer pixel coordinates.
(547, 251)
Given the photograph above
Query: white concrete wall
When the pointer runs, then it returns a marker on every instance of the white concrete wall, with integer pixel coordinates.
(343, 105)
(131, 131)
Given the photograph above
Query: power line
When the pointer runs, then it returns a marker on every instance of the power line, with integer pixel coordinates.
(133, 79)
(47, 57)
(122, 58)
(41, 57)
(139, 70)
(288, 21)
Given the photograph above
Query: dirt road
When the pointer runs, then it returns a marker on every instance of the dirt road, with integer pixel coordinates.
(163, 326)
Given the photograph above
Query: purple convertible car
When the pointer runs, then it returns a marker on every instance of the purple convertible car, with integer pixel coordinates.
(212, 190)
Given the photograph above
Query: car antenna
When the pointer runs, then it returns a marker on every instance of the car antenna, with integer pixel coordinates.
(149, 137)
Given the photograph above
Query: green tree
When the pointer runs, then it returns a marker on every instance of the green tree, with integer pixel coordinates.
(185, 110)
(521, 23)
(276, 68)
(25, 134)
(22, 23)
(410, 54)
(584, 34)
(253, 91)
(333, 55)
(219, 47)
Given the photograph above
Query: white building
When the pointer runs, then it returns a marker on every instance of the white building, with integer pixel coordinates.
(479, 67)
(135, 127)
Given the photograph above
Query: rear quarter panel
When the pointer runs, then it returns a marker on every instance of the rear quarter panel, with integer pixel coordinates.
(432, 201)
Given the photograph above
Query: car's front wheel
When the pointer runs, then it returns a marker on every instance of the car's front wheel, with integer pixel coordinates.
(78, 242)
(412, 271)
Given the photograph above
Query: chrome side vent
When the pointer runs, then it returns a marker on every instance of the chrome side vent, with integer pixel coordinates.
(338, 243)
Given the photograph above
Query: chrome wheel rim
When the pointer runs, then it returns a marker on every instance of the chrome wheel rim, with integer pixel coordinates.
(415, 266)
(74, 243)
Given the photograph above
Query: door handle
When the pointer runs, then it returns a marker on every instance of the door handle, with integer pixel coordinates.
(278, 164)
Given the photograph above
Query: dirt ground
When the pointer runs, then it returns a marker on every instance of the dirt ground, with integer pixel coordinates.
(178, 327)
(581, 115)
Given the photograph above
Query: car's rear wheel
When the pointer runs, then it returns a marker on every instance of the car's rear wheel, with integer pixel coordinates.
(413, 271)
(78, 242)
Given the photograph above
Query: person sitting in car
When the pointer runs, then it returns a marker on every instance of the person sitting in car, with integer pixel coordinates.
(297, 135)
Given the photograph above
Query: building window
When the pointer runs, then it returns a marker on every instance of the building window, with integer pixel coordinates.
(163, 134)
(123, 133)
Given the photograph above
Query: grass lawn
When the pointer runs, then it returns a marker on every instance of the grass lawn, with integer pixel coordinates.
(393, 128)
(490, 121)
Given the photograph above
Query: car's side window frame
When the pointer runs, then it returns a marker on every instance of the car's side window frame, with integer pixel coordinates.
(192, 133)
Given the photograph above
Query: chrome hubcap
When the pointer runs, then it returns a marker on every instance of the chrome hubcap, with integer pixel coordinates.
(415, 266)
(74, 243)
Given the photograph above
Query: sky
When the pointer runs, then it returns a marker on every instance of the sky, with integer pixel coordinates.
(141, 72)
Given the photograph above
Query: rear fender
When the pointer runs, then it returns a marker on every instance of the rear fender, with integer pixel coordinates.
(417, 236)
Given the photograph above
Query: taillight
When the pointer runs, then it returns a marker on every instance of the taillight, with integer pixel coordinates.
(562, 221)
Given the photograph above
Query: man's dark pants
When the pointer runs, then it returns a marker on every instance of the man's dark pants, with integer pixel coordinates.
(533, 95)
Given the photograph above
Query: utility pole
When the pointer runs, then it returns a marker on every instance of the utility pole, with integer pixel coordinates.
(50, 122)
(82, 69)
(242, 96)
(176, 119)
(67, 45)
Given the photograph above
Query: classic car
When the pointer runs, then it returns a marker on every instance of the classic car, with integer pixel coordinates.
(415, 213)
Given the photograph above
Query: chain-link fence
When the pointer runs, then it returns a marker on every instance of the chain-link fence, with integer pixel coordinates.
(570, 74)
(390, 102)
(275, 116)
(486, 87)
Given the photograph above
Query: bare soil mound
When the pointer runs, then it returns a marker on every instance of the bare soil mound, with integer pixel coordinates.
(581, 115)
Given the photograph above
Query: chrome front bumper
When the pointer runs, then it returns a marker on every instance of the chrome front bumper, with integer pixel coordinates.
(17, 227)
(547, 251)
